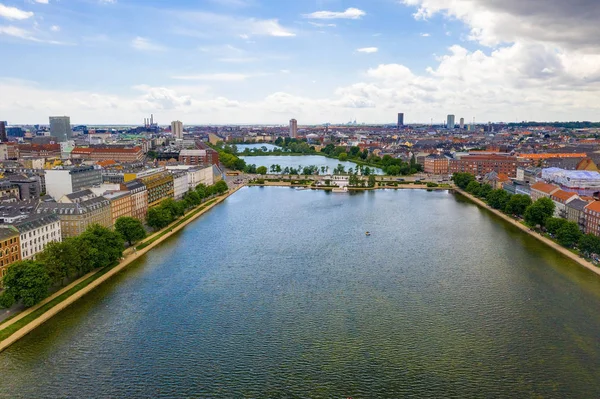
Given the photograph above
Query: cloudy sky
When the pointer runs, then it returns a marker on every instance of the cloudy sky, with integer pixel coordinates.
(266, 61)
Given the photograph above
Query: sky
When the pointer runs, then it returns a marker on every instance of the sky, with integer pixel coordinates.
(318, 61)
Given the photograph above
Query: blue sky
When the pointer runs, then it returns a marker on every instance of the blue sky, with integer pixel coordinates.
(266, 61)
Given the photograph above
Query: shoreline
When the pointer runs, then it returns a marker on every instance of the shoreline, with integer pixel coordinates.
(564, 251)
(130, 256)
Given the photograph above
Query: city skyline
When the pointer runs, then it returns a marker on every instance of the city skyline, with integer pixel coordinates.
(263, 61)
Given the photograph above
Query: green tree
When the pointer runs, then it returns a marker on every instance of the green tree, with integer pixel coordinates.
(473, 188)
(343, 157)
(158, 217)
(485, 190)
(262, 170)
(462, 180)
(175, 208)
(552, 225)
(201, 190)
(498, 199)
(517, 204)
(26, 281)
(221, 187)
(372, 181)
(539, 211)
(393, 170)
(589, 244)
(106, 246)
(131, 229)
(193, 198)
(569, 234)
(62, 260)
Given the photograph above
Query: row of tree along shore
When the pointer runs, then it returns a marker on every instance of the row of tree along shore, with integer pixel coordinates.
(538, 215)
(229, 156)
(30, 281)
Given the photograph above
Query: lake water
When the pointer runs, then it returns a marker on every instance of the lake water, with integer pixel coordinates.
(302, 160)
(278, 293)
(270, 147)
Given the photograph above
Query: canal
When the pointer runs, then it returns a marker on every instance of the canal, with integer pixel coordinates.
(279, 293)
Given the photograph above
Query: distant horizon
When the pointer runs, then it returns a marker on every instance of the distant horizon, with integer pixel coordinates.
(345, 124)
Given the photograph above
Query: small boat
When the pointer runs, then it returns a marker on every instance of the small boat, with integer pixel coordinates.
(367, 233)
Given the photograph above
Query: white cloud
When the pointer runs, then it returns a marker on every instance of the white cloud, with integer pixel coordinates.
(55, 28)
(42, 1)
(13, 13)
(496, 22)
(215, 77)
(24, 34)
(143, 44)
(320, 25)
(368, 50)
(207, 24)
(350, 13)
(425, 34)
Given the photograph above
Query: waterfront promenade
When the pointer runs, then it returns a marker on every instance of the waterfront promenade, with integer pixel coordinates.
(130, 256)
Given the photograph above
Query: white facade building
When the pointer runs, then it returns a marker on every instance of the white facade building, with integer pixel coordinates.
(196, 175)
(180, 184)
(37, 231)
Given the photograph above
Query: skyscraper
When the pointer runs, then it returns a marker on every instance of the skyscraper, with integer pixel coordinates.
(451, 122)
(60, 127)
(293, 128)
(177, 129)
(3, 137)
(400, 120)
(462, 123)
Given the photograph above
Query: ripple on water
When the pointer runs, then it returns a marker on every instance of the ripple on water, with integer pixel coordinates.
(278, 294)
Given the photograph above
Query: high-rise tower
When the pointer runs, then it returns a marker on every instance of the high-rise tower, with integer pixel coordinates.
(293, 128)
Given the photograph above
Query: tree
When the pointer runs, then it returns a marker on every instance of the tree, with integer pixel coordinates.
(26, 281)
(498, 199)
(539, 211)
(343, 157)
(372, 181)
(462, 180)
(201, 190)
(175, 208)
(517, 204)
(589, 244)
(261, 170)
(106, 246)
(131, 229)
(193, 198)
(393, 170)
(473, 188)
(569, 234)
(61, 259)
(158, 218)
(221, 187)
(485, 190)
(554, 224)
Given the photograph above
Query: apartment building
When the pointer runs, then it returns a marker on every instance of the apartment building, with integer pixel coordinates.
(75, 217)
(36, 231)
(10, 247)
(138, 197)
(60, 182)
(120, 205)
(160, 186)
(482, 164)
